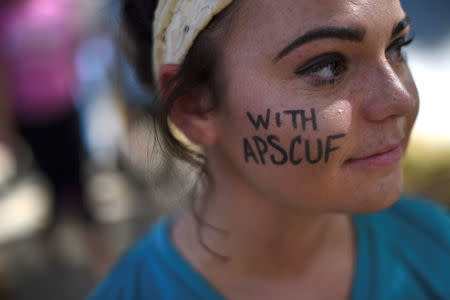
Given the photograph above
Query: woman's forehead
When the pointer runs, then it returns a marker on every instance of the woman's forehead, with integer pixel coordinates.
(266, 22)
(307, 13)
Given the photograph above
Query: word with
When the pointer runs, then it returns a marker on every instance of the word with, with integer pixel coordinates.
(295, 115)
(280, 156)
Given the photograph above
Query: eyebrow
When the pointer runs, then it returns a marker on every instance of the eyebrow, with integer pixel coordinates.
(342, 33)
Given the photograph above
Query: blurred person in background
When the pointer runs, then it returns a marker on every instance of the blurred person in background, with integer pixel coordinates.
(38, 40)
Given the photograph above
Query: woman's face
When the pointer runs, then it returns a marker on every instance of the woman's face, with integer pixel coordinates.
(319, 103)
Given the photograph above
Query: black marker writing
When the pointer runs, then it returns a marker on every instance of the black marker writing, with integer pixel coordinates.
(296, 116)
(278, 119)
(259, 120)
(261, 147)
(308, 151)
(296, 140)
(300, 112)
(329, 148)
(314, 150)
(273, 141)
(248, 152)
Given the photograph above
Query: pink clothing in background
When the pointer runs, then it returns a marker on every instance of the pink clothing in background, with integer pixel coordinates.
(38, 40)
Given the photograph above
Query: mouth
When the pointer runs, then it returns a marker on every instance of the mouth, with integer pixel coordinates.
(382, 158)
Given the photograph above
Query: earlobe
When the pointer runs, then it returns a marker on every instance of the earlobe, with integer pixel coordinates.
(191, 111)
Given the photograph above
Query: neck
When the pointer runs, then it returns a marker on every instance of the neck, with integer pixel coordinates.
(267, 242)
(263, 237)
(266, 237)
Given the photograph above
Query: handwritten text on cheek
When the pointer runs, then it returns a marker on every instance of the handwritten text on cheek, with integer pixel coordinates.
(264, 149)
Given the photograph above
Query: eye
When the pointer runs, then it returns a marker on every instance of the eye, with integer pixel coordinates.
(323, 70)
(395, 51)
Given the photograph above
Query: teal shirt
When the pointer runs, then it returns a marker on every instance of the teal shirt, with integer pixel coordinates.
(402, 253)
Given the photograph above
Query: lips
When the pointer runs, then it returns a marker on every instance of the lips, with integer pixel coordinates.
(386, 156)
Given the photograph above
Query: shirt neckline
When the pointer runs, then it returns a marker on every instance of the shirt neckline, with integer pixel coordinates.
(205, 290)
(181, 266)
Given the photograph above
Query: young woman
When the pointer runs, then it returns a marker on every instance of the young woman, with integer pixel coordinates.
(301, 111)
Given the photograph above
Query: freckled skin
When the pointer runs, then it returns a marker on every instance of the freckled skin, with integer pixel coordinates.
(286, 240)
(375, 103)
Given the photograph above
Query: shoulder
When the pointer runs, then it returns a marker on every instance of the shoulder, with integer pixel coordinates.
(417, 226)
(154, 269)
(137, 274)
(418, 218)
(407, 250)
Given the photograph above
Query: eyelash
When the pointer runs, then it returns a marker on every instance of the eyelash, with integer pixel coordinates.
(336, 63)
(398, 45)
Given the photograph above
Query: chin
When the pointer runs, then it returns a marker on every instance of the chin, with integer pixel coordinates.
(379, 195)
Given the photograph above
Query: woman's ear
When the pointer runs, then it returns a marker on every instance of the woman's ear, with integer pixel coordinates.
(167, 73)
(191, 112)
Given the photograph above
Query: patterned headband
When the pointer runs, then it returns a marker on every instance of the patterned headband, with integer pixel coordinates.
(177, 24)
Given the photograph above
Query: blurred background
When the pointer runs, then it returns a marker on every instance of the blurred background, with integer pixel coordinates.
(80, 175)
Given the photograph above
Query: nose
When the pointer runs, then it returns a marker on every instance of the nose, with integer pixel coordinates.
(390, 92)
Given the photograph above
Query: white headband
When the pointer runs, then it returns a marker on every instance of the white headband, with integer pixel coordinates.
(176, 25)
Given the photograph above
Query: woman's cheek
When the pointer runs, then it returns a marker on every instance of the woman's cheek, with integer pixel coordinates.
(297, 136)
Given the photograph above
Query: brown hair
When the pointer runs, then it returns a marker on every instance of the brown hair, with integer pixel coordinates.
(201, 67)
